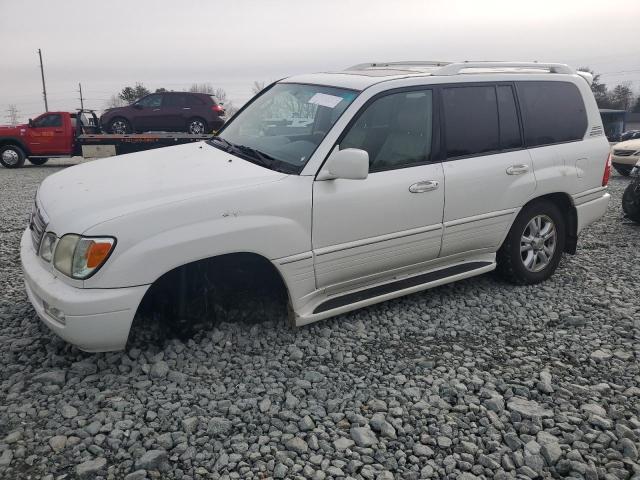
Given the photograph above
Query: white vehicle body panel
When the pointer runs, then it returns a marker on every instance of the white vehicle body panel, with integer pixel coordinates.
(327, 238)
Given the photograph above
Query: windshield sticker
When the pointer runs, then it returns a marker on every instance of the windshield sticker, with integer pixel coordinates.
(325, 100)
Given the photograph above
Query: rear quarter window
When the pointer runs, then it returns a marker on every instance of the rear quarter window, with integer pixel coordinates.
(552, 112)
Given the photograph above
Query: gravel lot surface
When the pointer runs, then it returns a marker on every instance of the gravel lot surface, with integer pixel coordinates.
(477, 379)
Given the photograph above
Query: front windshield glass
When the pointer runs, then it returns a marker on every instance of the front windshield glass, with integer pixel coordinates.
(287, 123)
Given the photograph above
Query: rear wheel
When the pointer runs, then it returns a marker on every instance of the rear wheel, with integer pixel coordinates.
(38, 161)
(533, 248)
(631, 201)
(120, 126)
(11, 156)
(622, 170)
(197, 126)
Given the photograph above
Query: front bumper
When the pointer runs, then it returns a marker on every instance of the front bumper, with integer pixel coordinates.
(625, 161)
(96, 320)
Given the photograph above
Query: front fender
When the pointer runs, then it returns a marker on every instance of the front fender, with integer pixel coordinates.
(150, 244)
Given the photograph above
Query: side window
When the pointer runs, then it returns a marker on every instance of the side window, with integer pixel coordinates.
(50, 120)
(173, 100)
(151, 101)
(508, 114)
(193, 101)
(470, 120)
(552, 112)
(395, 130)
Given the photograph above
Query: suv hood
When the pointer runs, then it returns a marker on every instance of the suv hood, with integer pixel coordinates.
(82, 196)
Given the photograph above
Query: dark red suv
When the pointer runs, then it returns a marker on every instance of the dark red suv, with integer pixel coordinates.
(196, 113)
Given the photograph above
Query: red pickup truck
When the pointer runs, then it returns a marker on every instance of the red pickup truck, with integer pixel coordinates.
(67, 134)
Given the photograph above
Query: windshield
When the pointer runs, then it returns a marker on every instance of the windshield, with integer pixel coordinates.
(286, 124)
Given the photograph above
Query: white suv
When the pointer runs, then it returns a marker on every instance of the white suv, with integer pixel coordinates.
(344, 188)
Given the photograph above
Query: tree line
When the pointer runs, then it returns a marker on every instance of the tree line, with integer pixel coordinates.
(620, 97)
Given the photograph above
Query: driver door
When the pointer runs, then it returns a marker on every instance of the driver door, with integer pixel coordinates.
(147, 113)
(47, 135)
(372, 229)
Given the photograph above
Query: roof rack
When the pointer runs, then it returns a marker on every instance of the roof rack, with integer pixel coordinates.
(456, 68)
(409, 64)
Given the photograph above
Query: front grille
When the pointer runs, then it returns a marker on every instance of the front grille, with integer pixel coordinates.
(623, 153)
(37, 225)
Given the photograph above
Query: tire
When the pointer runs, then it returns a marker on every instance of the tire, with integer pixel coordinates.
(120, 126)
(12, 156)
(38, 161)
(197, 126)
(527, 267)
(624, 171)
(631, 201)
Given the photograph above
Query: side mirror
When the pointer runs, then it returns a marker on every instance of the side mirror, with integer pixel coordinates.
(349, 164)
(137, 106)
(31, 124)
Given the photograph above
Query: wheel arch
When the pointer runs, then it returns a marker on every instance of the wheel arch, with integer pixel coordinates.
(8, 141)
(253, 263)
(565, 203)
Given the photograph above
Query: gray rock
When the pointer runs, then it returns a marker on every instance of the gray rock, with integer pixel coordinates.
(363, 436)
(137, 475)
(190, 424)
(600, 355)
(58, 443)
(152, 460)
(55, 377)
(218, 426)
(280, 471)
(306, 423)
(629, 449)
(298, 445)
(594, 409)
(69, 411)
(13, 437)
(6, 457)
(343, 443)
(159, 369)
(528, 408)
(91, 468)
(551, 453)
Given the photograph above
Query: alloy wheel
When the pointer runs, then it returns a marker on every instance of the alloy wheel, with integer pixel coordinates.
(119, 127)
(538, 243)
(196, 127)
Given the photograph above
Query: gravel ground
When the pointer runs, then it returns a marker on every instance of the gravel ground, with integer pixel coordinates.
(478, 379)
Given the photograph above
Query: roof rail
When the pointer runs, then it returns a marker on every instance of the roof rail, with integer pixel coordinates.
(456, 68)
(426, 63)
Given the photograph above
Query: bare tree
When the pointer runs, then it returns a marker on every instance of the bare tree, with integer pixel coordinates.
(12, 115)
(257, 86)
(202, 88)
(114, 102)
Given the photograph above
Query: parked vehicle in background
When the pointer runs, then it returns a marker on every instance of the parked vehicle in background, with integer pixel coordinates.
(403, 176)
(68, 134)
(625, 155)
(630, 135)
(631, 196)
(195, 113)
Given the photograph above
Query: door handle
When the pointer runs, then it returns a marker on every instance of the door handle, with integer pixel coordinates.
(517, 169)
(186, 108)
(425, 186)
(58, 131)
(156, 109)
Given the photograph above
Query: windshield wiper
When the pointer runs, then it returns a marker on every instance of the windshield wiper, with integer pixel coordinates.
(228, 146)
(252, 155)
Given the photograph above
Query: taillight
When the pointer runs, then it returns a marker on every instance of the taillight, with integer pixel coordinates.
(218, 108)
(607, 172)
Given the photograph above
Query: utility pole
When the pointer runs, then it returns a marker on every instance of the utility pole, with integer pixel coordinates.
(81, 99)
(44, 88)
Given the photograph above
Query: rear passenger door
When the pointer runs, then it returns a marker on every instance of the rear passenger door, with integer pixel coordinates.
(173, 111)
(488, 172)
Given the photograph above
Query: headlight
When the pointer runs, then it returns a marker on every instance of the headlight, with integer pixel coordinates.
(47, 245)
(80, 257)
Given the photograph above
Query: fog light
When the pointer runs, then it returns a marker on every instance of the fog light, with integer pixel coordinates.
(54, 312)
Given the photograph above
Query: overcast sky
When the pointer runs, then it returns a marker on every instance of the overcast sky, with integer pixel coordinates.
(107, 45)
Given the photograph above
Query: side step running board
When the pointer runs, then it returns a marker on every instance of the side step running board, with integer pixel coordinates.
(402, 284)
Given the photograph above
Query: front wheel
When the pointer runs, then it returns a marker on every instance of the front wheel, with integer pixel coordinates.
(197, 126)
(38, 161)
(11, 156)
(631, 200)
(533, 248)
